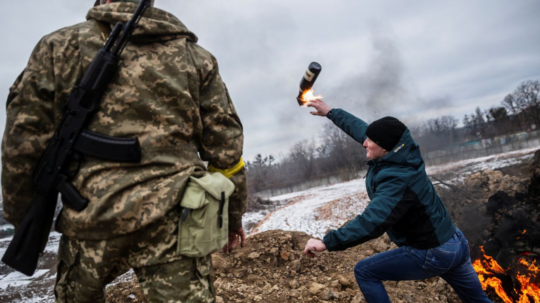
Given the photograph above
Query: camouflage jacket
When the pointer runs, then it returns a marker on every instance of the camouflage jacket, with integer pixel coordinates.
(168, 93)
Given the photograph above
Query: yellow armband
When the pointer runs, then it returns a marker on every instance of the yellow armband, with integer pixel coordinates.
(228, 172)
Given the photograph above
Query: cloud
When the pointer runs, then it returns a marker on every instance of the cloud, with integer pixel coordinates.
(413, 60)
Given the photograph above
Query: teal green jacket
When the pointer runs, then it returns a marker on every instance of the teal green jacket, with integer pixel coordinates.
(403, 204)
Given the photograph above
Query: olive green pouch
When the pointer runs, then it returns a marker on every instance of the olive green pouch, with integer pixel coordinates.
(204, 223)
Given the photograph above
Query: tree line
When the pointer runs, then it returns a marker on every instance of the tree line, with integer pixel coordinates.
(336, 154)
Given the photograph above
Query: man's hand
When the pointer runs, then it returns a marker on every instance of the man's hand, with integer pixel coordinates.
(235, 237)
(314, 245)
(321, 107)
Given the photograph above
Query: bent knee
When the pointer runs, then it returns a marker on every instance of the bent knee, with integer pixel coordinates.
(361, 271)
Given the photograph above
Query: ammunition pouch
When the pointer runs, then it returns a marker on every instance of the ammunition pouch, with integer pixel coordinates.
(204, 224)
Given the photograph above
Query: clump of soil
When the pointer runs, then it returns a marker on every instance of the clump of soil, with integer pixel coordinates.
(467, 202)
(488, 182)
(273, 268)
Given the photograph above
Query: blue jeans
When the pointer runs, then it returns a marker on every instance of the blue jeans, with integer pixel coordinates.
(451, 261)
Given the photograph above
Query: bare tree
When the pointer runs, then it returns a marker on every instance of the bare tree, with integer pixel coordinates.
(303, 153)
(437, 133)
(509, 102)
(527, 96)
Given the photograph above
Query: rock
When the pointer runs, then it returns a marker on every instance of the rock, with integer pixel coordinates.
(344, 281)
(359, 298)
(329, 295)
(254, 255)
(336, 285)
(316, 288)
(296, 265)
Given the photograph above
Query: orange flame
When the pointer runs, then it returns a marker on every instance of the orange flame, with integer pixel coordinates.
(528, 290)
(492, 282)
(530, 266)
(308, 96)
(486, 267)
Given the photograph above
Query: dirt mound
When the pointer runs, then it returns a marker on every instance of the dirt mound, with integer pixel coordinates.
(273, 268)
(486, 183)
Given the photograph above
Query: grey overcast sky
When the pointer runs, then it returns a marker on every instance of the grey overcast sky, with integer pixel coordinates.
(413, 59)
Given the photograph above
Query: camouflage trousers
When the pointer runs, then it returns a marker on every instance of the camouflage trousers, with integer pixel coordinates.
(87, 266)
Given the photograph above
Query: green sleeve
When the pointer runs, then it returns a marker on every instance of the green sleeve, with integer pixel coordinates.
(350, 124)
(389, 204)
(223, 138)
(29, 127)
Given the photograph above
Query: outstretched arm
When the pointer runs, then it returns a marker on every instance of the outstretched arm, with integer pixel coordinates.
(353, 126)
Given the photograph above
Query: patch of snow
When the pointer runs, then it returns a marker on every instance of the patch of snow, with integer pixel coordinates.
(16, 279)
(38, 288)
(462, 169)
(127, 277)
(301, 208)
(6, 227)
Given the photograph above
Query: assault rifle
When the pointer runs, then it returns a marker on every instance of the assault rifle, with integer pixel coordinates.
(66, 149)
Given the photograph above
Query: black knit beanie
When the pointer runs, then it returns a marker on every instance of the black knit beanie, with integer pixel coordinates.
(386, 132)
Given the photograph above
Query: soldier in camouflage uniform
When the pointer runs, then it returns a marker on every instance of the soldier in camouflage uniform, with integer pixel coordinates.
(169, 94)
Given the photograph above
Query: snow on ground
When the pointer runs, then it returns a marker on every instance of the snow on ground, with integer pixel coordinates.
(464, 168)
(16, 287)
(303, 208)
(6, 227)
(15, 279)
(301, 211)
